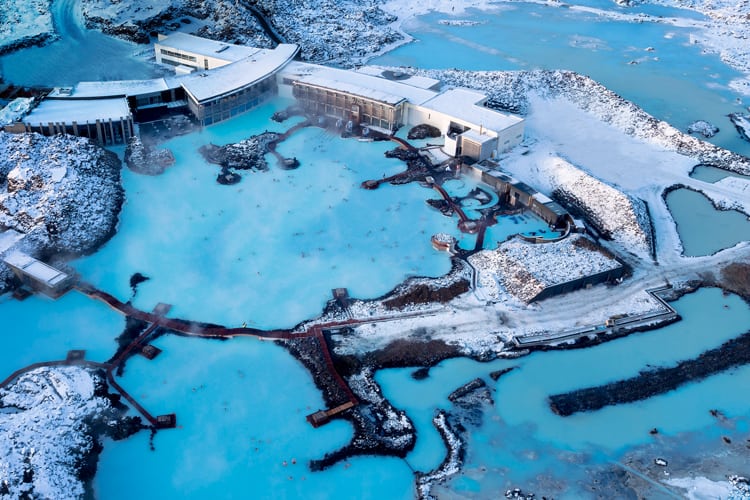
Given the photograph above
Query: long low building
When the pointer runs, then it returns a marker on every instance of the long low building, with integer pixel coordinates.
(106, 121)
(519, 194)
(215, 81)
(380, 98)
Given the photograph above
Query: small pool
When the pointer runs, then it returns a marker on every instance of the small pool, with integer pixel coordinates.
(708, 173)
(703, 229)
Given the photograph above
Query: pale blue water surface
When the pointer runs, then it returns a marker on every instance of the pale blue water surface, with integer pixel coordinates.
(702, 228)
(673, 80)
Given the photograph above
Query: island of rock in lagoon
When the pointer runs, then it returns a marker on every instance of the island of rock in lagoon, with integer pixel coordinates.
(404, 237)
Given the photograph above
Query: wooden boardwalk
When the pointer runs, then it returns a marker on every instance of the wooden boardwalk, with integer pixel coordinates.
(157, 319)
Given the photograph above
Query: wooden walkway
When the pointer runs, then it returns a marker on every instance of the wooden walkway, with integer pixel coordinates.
(156, 319)
(194, 329)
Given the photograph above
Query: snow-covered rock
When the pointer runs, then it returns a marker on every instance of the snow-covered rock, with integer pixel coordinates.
(742, 124)
(613, 213)
(63, 192)
(516, 90)
(23, 23)
(330, 31)
(146, 160)
(525, 269)
(703, 128)
(15, 110)
(49, 426)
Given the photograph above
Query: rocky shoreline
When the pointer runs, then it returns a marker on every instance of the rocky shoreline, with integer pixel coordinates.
(649, 383)
(57, 415)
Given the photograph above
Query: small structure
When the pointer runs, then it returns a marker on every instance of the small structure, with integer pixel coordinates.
(106, 121)
(149, 351)
(75, 355)
(341, 296)
(443, 242)
(518, 194)
(37, 275)
(322, 417)
(167, 421)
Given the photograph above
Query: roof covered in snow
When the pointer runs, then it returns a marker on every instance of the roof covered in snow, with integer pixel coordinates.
(119, 88)
(206, 85)
(35, 268)
(421, 82)
(359, 83)
(205, 47)
(78, 110)
(462, 104)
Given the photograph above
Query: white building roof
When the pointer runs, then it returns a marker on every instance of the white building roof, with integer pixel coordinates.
(78, 110)
(421, 82)
(205, 47)
(367, 85)
(119, 88)
(461, 104)
(353, 89)
(475, 136)
(226, 79)
(35, 268)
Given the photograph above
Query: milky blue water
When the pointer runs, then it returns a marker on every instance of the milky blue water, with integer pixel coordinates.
(78, 55)
(268, 251)
(42, 329)
(241, 407)
(675, 81)
(521, 439)
(703, 229)
(713, 174)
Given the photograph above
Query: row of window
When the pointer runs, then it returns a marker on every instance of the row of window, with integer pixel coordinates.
(178, 55)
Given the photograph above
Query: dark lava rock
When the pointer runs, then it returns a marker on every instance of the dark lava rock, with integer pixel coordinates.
(471, 393)
(648, 383)
(146, 160)
(421, 373)
(227, 178)
(423, 131)
(425, 294)
(499, 373)
(136, 279)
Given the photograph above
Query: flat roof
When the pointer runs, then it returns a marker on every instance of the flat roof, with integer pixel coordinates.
(78, 110)
(461, 104)
(205, 85)
(206, 47)
(119, 88)
(35, 268)
(475, 136)
(350, 88)
(368, 85)
(421, 82)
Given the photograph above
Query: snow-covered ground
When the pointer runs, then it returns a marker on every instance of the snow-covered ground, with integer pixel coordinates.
(525, 269)
(22, 20)
(63, 192)
(45, 432)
